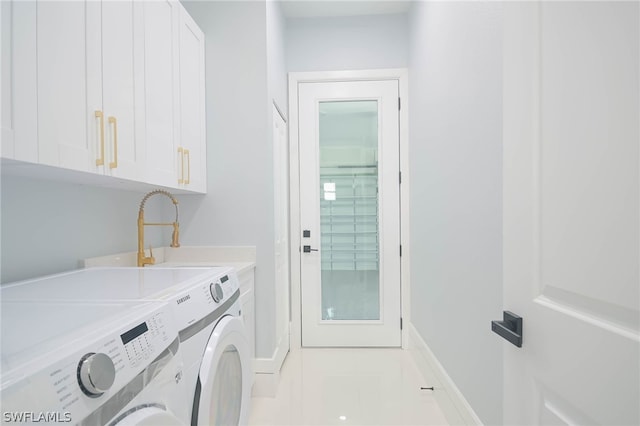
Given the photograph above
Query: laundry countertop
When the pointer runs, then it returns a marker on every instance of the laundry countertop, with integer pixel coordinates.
(242, 258)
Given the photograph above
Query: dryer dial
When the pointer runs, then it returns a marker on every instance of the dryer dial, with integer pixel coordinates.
(96, 374)
(216, 292)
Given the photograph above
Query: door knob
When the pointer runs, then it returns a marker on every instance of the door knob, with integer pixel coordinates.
(510, 328)
(308, 249)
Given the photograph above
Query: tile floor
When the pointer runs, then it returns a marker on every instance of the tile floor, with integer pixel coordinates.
(348, 387)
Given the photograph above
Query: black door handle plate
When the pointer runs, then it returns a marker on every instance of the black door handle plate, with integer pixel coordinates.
(510, 328)
(308, 249)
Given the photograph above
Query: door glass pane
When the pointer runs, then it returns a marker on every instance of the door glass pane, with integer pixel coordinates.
(349, 210)
(226, 394)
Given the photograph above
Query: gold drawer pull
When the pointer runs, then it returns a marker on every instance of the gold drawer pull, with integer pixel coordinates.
(114, 163)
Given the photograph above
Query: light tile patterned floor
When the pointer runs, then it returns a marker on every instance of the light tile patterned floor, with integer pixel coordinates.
(348, 387)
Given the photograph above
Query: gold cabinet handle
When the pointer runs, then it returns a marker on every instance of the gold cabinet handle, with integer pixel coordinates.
(181, 152)
(188, 179)
(114, 163)
(100, 160)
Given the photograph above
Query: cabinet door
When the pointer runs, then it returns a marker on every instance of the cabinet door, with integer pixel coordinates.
(25, 80)
(118, 85)
(62, 84)
(95, 114)
(192, 164)
(161, 91)
(19, 81)
(110, 89)
(247, 300)
(6, 116)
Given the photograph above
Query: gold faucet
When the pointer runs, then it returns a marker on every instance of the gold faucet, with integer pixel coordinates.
(142, 259)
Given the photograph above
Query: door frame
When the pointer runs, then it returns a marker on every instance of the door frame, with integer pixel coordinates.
(295, 230)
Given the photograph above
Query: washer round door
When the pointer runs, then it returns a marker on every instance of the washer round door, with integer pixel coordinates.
(223, 390)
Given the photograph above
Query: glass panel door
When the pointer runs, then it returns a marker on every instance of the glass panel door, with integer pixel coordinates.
(348, 140)
(349, 213)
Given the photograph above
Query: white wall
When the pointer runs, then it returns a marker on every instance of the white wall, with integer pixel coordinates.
(276, 58)
(48, 227)
(239, 206)
(347, 43)
(456, 188)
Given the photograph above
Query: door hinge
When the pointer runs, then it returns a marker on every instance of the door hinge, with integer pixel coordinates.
(400, 250)
(399, 104)
(400, 177)
(400, 323)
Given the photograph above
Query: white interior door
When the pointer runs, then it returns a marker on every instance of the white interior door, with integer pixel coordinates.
(349, 214)
(571, 212)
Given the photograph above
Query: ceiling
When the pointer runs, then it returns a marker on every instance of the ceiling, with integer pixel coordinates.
(327, 8)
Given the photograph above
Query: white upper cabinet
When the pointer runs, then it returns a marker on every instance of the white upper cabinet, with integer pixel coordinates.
(68, 88)
(113, 72)
(174, 97)
(62, 85)
(19, 81)
(192, 141)
(6, 113)
(161, 92)
(98, 87)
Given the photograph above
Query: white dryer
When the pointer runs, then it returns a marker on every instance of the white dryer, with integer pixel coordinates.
(111, 363)
(205, 301)
(216, 349)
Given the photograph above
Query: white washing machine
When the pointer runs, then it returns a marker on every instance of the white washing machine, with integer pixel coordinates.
(205, 302)
(111, 363)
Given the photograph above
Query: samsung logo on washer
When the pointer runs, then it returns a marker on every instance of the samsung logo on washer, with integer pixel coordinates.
(183, 299)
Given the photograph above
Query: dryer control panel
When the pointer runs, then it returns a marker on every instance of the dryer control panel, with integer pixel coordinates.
(229, 284)
(204, 299)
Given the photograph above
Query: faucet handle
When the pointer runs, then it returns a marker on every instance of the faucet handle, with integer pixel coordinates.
(150, 251)
(175, 235)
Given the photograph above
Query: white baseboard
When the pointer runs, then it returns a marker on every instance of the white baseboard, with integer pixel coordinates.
(453, 404)
(267, 370)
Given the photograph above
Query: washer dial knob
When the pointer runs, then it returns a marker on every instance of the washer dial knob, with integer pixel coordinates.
(96, 374)
(216, 292)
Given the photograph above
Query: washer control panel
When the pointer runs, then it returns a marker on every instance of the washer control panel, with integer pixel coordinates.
(138, 342)
(101, 364)
(96, 373)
